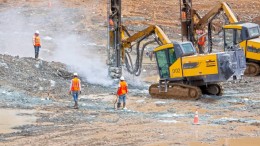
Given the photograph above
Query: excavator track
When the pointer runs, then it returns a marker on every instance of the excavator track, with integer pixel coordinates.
(252, 69)
(175, 91)
(213, 89)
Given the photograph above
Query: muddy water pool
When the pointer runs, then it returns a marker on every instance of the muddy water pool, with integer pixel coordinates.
(11, 118)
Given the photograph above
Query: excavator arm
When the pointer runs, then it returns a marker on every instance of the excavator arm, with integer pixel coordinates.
(223, 6)
(151, 30)
(121, 42)
(194, 22)
(159, 37)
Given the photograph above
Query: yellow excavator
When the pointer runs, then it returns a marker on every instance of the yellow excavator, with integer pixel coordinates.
(236, 34)
(183, 72)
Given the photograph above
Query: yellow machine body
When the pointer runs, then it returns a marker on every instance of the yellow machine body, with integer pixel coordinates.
(241, 34)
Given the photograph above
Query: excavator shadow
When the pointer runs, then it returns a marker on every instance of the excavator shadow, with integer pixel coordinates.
(211, 98)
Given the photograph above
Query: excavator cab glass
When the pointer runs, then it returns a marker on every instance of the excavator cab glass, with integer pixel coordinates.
(232, 37)
(184, 49)
(253, 32)
(162, 62)
(188, 49)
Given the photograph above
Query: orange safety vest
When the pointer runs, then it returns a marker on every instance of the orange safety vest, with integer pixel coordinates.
(202, 41)
(75, 84)
(122, 89)
(37, 41)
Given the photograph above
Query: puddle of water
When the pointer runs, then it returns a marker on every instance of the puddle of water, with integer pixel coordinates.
(252, 141)
(11, 118)
(170, 115)
(160, 102)
(168, 121)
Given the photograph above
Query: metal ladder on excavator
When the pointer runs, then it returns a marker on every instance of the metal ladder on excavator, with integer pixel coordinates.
(163, 85)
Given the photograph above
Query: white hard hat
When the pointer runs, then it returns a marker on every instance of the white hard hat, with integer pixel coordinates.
(37, 32)
(122, 78)
(75, 74)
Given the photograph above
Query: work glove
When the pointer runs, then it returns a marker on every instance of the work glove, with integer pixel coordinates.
(79, 92)
(69, 92)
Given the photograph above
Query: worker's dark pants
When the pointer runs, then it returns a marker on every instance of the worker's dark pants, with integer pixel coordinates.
(37, 50)
(75, 95)
(201, 49)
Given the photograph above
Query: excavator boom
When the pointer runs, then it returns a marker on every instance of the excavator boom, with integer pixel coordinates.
(153, 29)
(223, 6)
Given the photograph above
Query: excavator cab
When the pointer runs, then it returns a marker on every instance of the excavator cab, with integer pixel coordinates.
(236, 33)
(247, 37)
(166, 55)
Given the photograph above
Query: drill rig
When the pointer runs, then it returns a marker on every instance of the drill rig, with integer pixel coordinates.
(236, 34)
(183, 72)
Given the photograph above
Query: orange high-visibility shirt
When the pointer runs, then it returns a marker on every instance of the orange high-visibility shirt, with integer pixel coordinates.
(36, 41)
(75, 84)
(111, 22)
(183, 15)
(202, 41)
(122, 88)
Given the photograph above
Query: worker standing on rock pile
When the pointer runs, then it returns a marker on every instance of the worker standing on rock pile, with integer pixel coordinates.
(36, 43)
(75, 89)
(122, 92)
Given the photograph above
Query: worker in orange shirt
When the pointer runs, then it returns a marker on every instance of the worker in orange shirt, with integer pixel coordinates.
(122, 92)
(36, 43)
(75, 89)
(111, 24)
(201, 41)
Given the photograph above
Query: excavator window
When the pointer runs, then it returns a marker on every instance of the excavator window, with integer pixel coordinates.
(163, 66)
(188, 49)
(232, 37)
(172, 56)
(228, 38)
(253, 32)
(238, 36)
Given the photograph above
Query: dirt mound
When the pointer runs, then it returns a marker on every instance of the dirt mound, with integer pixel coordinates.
(39, 77)
(35, 76)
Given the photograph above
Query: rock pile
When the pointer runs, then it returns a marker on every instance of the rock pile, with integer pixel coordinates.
(39, 77)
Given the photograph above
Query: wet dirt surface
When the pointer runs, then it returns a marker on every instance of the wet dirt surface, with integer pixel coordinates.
(11, 118)
(232, 142)
(146, 121)
(227, 120)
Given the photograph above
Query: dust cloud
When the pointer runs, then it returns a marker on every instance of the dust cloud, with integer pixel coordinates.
(15, 34)
(60, 40)
(83, 58)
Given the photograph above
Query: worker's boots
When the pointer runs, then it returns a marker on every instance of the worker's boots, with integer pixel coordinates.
(76, 105)
(36, 56)
(118, 105)
(124, 106)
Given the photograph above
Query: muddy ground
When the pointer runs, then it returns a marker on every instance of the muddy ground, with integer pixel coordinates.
(41, 87)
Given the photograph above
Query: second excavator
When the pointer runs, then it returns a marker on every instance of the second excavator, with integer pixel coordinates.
(183, 72)
(236, 34)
